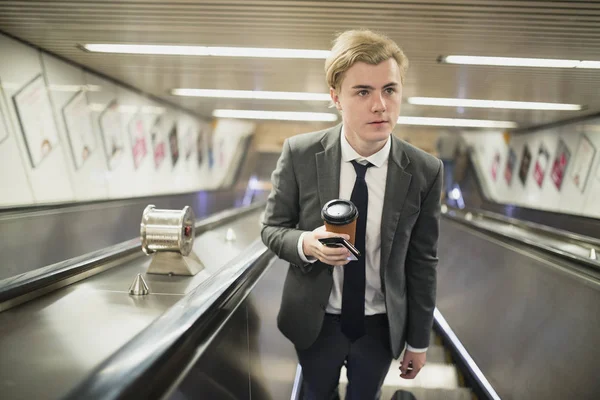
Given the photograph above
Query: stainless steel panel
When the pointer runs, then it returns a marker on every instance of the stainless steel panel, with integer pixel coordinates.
(273, 360)
(55, 235)
(222, 371)
(50, 344)
(532, 326)
(249, 358)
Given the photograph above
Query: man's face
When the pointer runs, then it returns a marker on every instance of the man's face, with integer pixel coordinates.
(369, 100)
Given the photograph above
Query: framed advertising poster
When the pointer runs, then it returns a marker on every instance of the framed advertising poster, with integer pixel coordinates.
(35, 119)
(110, 131)
(3, 122)
(174, 144)
(510, 166)
(525, 162)
(78, 123)
(559, 166)
(582, 164)
(189, 143)
(541, 165)
(200, 146)
(495, 165)
(138, 139)
(159, 147)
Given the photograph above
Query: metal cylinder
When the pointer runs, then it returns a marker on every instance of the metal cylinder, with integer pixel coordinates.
(167, 230)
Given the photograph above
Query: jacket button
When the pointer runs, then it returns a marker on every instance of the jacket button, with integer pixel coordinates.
(323, 306)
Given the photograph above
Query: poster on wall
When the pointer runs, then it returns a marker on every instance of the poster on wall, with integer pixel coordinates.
(582, 164)
(525, 162)
(3, 122)
(110, 132)
(138, 139)
(159, 147)
(174, 144)
(559, 166)
(34, 113)
(541, 165)
(510, 166)
(200, 146)
(495, 165)
(189, 143)
(78, 123)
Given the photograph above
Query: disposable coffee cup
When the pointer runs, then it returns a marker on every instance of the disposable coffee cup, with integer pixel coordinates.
(340, 216)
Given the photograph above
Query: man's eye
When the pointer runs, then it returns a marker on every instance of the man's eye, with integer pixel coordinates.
(363, 92)
(390, 90)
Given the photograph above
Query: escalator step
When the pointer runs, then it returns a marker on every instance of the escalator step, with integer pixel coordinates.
(429, 394)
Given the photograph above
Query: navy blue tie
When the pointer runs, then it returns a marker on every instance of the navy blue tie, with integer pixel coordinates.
(353, 294)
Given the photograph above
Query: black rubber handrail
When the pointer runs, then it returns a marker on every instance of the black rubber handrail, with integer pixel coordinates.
(587, 262)
(149, 365)
(23, 284)
(547, 230)
(476, 380)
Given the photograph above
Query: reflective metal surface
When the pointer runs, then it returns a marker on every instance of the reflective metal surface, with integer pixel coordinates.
(56, 234)
(139, 287)
(167, 230)
(571, 246)
(249, 358)
(50, 344)
(29, 285)
(530, 323)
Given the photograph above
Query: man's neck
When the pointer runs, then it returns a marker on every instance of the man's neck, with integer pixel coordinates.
(366, 149)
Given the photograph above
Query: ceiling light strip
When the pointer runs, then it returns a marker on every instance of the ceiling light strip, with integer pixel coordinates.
(275, 115)
(206, 51)
(456, 122)
(513, 105)
(251, 94)
(519, 62)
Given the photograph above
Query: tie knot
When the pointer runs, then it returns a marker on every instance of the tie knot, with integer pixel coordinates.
(360, 169)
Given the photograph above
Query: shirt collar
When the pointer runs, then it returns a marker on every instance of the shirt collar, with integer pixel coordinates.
(378, 159)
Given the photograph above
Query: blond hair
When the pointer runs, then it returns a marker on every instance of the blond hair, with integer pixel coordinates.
(361, 45)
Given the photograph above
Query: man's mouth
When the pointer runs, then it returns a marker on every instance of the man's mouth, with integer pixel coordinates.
(378, 122)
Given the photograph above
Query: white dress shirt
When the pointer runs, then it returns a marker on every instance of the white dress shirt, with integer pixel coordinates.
(375, 178)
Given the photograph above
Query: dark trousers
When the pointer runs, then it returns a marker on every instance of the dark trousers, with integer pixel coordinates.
(367, 360)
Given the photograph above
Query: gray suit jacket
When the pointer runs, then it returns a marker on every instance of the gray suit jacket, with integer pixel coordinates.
(306, 177)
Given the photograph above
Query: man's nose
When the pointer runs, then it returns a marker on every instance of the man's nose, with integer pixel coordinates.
(378, 105)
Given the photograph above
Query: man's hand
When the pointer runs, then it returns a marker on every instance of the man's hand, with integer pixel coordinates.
(336, 256)
(411, 364)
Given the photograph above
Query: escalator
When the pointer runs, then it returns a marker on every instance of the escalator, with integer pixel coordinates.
(508, 317)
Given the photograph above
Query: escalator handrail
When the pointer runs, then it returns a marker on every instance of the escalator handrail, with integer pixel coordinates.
(49, 277)
(533, 226)
(150, 364)
(475, 377)
(595, 264)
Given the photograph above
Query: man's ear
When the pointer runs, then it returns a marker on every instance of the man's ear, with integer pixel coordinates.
(335, 98)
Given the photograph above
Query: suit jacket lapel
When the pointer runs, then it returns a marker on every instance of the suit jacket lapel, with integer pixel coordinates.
(396, 189)
(328, 165)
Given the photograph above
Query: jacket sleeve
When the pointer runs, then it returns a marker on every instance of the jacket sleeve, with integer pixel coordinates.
(279, 232)
(421, 263)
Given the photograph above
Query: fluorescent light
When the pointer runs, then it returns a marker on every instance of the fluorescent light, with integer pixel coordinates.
(276, 115)
(74, 88)
(519, 62)
(514, 105)
(128, 109)
(469, 123)
(206, 51)
(252, 94)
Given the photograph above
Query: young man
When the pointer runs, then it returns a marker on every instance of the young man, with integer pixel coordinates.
(360, 313)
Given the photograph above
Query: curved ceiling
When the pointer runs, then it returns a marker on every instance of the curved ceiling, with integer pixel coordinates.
(425, 30)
